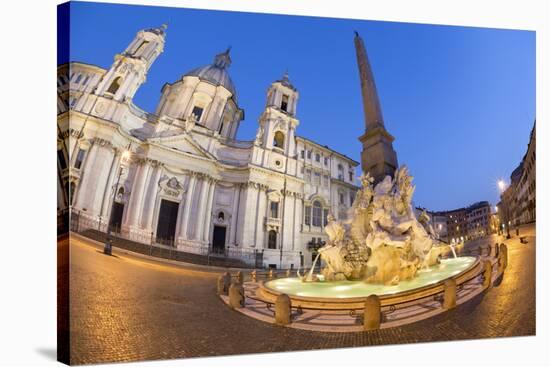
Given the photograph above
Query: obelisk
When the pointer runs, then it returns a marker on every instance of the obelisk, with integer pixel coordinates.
(377, 156)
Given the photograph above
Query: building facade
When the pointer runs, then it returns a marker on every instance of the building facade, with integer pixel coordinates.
(479, 220)
(179, 176)
(464, 224)
(518, 201)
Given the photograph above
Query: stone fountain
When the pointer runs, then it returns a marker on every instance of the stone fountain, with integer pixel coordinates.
(382, 241)
(382, 248)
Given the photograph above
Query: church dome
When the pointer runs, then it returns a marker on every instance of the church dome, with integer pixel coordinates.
(216, 73)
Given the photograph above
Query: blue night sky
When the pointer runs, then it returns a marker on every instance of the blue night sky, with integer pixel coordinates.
(460, 101)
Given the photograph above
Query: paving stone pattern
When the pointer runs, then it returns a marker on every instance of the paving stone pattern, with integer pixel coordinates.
(125, 308)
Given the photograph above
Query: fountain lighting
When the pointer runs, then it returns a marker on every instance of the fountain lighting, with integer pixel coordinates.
(383, 248)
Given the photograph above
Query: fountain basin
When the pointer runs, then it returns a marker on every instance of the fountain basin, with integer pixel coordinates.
(352, 294)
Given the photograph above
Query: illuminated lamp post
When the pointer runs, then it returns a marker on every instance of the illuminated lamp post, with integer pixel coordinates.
(108, 248)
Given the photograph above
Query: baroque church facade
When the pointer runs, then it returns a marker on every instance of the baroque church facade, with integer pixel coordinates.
(179, 177)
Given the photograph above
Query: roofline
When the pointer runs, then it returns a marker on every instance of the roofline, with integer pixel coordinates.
(204, 81)
(70, 63)
(299, 137)
(476, 205)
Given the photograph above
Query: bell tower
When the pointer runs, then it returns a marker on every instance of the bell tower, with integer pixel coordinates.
(278, 121)
(130, 68)
(378, 156)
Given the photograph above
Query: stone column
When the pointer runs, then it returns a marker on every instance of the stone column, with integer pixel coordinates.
(239, 230)
(122, 90)
(101, 176)
(291, 139)
(185, 101)
(150, 198)
(234, 213)
(262, 203)
(136, 196)
(184, 218)
(203, 202)
(258, 222)
(146, 185)
(83, 190)
(108, 192)
(213, 116)
(208, 217)
(294, 224)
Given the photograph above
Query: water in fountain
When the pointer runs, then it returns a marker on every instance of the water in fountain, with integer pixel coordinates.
(309, 277)
(452, 246)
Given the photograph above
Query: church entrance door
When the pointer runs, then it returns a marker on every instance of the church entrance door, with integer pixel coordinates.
(166, 227)
(116, 217)
(218, 241)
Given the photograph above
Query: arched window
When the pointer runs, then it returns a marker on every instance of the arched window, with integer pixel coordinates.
(221, 216)
(114, 85)
(279, 140)
(120, 193)
(284, 103)
(317, 216)
(272, 240)
(141, 47)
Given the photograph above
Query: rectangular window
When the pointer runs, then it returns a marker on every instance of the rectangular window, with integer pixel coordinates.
(317, 157)
(341, 198)
(308, 175)
(326, 161)
(309, 154)
(325, 181)
(61, 158)
(317, 214)
(79, 158)
(274, 209)
(351, 176)
(197, 111)
(307, 219)
(303, 153)
(317, 178)
(284, 103)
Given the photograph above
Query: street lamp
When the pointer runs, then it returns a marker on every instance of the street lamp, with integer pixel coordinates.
(501, 185)
(108, 248)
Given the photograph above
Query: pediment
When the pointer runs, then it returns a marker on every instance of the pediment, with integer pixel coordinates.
(184, 143)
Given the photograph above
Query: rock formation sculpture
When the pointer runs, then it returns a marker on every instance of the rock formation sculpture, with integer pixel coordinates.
(382, 241)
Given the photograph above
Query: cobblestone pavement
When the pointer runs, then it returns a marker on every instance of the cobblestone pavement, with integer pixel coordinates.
(125, 308)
